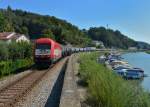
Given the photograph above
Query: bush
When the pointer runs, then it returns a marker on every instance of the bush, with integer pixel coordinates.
(19, 50)
(3, 51)
(14, 56)
(15, 50)
(107, 89)
(10, 67)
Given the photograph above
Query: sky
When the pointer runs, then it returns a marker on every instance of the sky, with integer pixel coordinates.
(131, 17)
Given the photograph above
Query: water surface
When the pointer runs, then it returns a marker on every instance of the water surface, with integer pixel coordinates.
(140, 60)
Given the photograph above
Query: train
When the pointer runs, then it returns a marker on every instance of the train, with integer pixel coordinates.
(48, 51)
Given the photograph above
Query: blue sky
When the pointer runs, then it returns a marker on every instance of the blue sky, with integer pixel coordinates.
(131, 17)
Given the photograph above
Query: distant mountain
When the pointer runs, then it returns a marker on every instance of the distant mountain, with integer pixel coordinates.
(143, 45)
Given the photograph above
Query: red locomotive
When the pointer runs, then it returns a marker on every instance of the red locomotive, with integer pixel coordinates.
(47, 51)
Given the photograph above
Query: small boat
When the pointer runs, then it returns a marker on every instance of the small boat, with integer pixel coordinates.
(120, 67)
(134, 73)
(101, 59)
(118, 62)
(121, 72)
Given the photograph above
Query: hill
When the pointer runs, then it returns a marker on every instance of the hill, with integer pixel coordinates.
(111, 38)
(143, 45)
(37, 26)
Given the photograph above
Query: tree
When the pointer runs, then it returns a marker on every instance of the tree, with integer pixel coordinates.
(3, 51)
(24, 30)
(2, 20)
(111, 38)
(37, 26)
(57, 32)
(9, 8)
(5, 25)
(8, 27)
(47, 33)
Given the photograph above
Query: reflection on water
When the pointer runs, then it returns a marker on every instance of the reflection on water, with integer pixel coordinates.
(140, 60)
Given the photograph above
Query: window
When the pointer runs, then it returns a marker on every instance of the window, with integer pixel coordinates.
(43, 46)
(42, 49)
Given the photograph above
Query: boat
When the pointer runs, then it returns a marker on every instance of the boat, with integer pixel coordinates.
(119, 67)
(118, 62)
(121, 72)
(134, 73)
(123, 69)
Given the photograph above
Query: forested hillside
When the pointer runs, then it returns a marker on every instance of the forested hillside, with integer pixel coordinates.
(37, 26)
(110, 38)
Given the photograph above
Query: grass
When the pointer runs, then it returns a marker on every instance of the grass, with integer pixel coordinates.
(148, 51)
(106, 89)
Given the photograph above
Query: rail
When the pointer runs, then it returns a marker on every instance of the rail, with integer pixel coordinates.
(10, 94)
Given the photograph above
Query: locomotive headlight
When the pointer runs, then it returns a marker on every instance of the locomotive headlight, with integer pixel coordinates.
(47, 51)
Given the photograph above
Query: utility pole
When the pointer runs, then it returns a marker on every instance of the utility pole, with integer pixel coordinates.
(107, 26)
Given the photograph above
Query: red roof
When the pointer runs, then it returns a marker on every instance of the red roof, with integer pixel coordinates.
(8, 35)
(4, 35)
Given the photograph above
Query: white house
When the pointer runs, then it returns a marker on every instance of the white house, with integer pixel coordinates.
(98, 43)
(132, 48)
(12, 36)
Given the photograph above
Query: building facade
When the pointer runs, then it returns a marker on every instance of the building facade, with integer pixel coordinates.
(12, 36)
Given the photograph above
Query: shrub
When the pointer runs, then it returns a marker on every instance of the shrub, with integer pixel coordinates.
(14, 56)
(10, 67)
(3, 51)
(19, 50)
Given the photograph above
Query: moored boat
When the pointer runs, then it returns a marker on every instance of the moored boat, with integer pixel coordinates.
(134, 73)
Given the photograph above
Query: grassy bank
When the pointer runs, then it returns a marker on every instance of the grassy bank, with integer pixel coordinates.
(106, 89)
(12, 67)
(148, 52)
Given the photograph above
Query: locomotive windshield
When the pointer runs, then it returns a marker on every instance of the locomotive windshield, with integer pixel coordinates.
(42, 49)
(42, 46)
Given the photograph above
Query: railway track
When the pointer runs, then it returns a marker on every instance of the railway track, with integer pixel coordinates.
(16, 90)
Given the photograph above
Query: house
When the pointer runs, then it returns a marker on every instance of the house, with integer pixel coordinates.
(132, 48)
(12, 36)
(98, 43)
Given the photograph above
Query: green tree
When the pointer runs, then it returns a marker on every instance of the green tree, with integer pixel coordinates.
(37, 26)
(24, 30)
(2, 20)
(111, 38)
(3, 51)
(47, 33)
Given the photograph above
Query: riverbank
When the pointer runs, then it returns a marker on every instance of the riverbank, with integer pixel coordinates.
(106, 88)
(148, 52)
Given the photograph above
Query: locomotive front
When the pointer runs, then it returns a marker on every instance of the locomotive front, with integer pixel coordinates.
(42, 52)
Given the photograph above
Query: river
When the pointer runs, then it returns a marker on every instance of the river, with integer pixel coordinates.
(140, 60)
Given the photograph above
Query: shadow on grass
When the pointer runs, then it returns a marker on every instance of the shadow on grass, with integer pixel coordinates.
(19, 70)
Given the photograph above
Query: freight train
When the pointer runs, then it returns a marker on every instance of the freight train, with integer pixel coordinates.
(47, 51)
